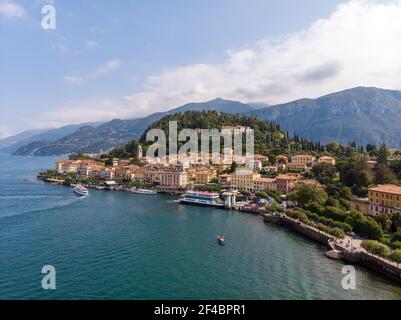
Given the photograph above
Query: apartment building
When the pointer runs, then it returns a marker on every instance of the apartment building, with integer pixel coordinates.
(384, 199)
(243, 179)
(303, 159)
(175, 179)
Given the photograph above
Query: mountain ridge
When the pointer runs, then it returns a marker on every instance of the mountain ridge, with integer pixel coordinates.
(365, 115)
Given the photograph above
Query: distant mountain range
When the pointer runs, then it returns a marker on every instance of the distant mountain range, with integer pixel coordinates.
(364, 115)
(104, 137)
(13, 143)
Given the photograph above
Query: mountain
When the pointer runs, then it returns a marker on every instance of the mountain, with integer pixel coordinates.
(268, 138)
(20, 137)
(364, 115)
(118, 132)
(13, 143)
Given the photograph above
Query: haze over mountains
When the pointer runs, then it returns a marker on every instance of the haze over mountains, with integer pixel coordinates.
(364, 115)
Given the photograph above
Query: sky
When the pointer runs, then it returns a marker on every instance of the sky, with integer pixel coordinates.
(129, 58)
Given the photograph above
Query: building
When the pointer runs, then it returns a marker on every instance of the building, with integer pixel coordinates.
(384, 199)
(139, 152)
(261, 157)
(281, 159)
(285, 183)
(255, 165)
(296, 166)
(224, 179)
(329, 160)
(360, 204)
(201, 175)
(303, 159)
(242, 179)
(264, 184)
(173, 179)
(271, 168)
(67, 166)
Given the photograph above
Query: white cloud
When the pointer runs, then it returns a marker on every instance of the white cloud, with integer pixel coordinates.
(82, 111)
(10, 9)
(104, 69)
(357, 45)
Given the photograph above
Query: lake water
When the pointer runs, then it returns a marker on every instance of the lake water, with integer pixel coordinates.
(116, 245)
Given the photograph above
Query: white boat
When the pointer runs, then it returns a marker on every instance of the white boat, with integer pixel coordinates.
(201, 198)
(143, 191)
(81, 191)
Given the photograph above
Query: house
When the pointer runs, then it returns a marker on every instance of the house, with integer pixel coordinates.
(329, 160)
(285, 183)
(303, 159)
(255, 165)
(173, 179)
(242, 179)
(264, 184)
(384, 199)
(224, 179)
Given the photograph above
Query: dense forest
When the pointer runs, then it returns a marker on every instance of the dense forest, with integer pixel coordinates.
(269, 138)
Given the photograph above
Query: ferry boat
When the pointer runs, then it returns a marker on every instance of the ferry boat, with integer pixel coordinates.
(201, 198)
(220, 239)
(81, 191)
(143, 191)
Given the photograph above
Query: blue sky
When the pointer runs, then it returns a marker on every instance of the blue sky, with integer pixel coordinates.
(129, 58)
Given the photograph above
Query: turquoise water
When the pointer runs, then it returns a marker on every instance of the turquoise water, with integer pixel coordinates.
(115, 245)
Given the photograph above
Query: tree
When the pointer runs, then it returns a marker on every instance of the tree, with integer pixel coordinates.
(396, 219)
(234, 166)
(363, 225)
(395, 256)
(324, 172)
(376, 248)
(382, 157)
(383, 174)
(308, 194)
(346, 193)
(385, 221)
(333, 147)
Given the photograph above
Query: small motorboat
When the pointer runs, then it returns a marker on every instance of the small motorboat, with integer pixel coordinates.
(220, 239)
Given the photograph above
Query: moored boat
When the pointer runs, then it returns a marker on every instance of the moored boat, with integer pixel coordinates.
(81, 191)
(202, 198)
(143, 191)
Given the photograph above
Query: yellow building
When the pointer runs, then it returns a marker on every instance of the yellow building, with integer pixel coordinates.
(242, 179)
(264, 184)
(329, 160)
(201, 175)
(384, 199)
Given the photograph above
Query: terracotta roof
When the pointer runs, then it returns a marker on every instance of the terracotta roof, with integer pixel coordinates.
(387, 188)
(268, 180)
(286, 177)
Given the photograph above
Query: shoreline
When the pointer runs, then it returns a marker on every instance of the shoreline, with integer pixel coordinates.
(374, 263)
(335, 251)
